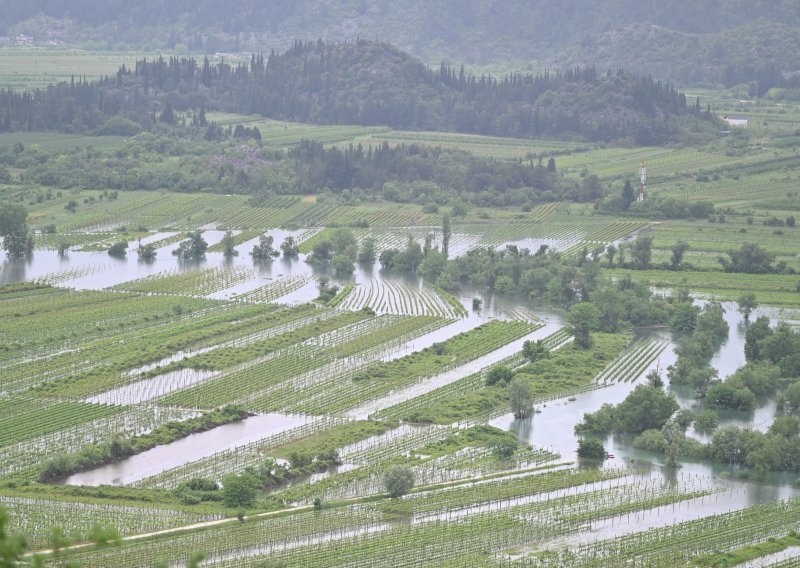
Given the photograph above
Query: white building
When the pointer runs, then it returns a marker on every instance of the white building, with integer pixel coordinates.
(736, 121)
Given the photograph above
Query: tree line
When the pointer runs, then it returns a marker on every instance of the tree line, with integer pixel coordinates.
(367, 83)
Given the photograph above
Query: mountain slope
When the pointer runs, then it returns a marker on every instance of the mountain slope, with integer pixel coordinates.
(513, 33)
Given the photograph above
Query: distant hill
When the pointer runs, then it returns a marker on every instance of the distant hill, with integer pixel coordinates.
(752, 52)
(514, 34)
(369, 83)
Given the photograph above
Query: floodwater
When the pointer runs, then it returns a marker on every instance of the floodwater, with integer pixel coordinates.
(191, 448)
(552, 427)
(553, 324)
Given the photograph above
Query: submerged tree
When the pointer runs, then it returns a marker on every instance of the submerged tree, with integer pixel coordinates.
(263, 250)
(289, 247)
(14, 229)
(747, 303)
(193, 247)
(521, 398)
(229, 245)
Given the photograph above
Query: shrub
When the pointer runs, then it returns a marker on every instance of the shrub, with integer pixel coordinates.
(398, 481)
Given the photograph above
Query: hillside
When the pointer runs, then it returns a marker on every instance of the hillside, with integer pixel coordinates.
(370, 83)
(757, 51)
(512, 34)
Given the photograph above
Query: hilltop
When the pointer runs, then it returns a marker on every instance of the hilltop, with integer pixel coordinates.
(372, 83)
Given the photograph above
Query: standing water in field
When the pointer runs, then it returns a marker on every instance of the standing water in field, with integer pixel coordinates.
(191, 448)
(553, 427)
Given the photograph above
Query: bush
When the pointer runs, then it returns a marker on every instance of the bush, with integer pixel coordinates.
(591, 449)
(398, 481)
(239, 491)
(650, 440)
(499, 375)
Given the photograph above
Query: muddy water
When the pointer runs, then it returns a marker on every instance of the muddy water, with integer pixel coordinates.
(191, 448)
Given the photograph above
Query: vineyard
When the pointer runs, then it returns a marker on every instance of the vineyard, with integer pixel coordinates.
(388, 370)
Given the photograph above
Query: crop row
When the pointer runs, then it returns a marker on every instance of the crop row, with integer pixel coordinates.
(35, 518)
(200, 282)
(633, 361)
(131, 421)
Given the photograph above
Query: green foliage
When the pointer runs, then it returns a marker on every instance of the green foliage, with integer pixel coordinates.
(750, 258)
(263, 250)
(684, 319)
(398, 481)
(583, 318)
(499, 375)
(645, 408)
(12, 546)
(228, 245)
(118, 249)
(240, 491)
(591, 448)
(14, 230)
(193, 247)
(520, 396)
(747, 303)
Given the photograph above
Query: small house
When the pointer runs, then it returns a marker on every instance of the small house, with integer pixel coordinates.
(735, 121)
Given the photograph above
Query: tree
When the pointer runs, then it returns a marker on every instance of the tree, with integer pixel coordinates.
(398, 481)
(641, 251)
(289, 247)
(611, 252)
(239, 491)
(446, 229)
(367, 253)
(583, 318)
(146, 252)
(521, 398)
(499, 375)
(643, 409)
(747, 303)
(228, 245)
(628, 195)
(673, 436)
(14, 230)
(263, 250)
(167, 115)
(342, 264)
(750, 258)
(590, 448)
(684, 320)
(193, 247)
(678, 250)
(505, 447)
(118, 249)
(535, 350)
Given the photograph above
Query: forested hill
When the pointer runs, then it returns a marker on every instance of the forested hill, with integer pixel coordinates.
(687, 41)
(370, 83)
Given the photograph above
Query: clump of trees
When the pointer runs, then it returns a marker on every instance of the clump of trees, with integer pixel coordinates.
(700, 333)
(753, 259)
(193, 247)
(264, 250)
(646, 407)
